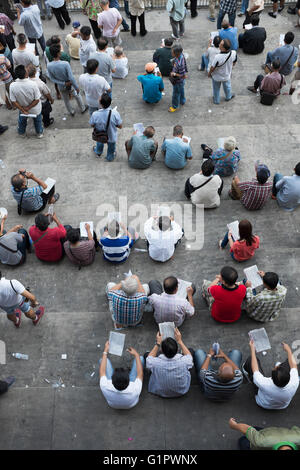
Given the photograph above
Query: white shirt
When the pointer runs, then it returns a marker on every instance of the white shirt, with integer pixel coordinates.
(56, 3)
(44, 90)
(223, 72)
(25, 91)
(272, 397)
(162, 243)
(87, 47)
(208, 194)
(121, 68)
(24, 57)
(211, 53)
(124, 399)
(93, 86)
(8, 297)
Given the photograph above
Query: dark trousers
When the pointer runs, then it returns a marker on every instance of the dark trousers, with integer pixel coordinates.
(141, 19)
(193, 8)
(62, 16)
(258, 81)
(243, 442)
(42, 42)
(3, 387)
(46, 198)
(10, 41)
(95, 28)
(46, 110)
(248, 17)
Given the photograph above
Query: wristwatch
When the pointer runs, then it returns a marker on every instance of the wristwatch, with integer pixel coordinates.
(208, 355)
(158, 345)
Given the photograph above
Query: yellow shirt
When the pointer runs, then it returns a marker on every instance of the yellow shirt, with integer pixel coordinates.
(74, 44)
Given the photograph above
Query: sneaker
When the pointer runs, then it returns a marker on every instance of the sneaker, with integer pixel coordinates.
(40, 312)
(50, 16)
(72, 113)
(194, 15)
(171, 109)
(51, 121)
(43, 17)
(280, 9)
(174, 37)
(211, 18)
(18, 315)
(240, 14)
(3, 129)
(252, 88)
(220, 244)
(245, 373)
(232, 96)
(273, 15)
(98, 154)
(85, 109)
(40, 136)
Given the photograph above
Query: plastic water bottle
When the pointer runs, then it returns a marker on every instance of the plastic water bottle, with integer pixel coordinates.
(2, 164)
(216, 348)
(20, 356)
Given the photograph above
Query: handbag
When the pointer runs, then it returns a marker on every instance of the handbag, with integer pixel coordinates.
(102, 136)
(266, 97)
(189, 189)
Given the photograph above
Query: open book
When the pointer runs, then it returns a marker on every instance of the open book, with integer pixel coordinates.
(50, 183)
(260, 339)
(252, 275)
(182, 286)
(166, 329)
(116, 343)
(138, 127)
(83, 232)
(213, 34)
(234, 227)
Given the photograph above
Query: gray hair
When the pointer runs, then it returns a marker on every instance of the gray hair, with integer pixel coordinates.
(230, 143)
(130, 286)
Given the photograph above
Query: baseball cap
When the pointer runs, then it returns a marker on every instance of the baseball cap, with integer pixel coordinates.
(150, 66)
(76, 24)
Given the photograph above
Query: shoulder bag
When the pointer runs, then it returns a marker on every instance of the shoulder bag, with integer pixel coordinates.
(20, 203)
(189, 189)
(102, 136)
(266, 97)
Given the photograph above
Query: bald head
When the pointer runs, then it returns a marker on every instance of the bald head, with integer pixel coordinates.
(226, 372)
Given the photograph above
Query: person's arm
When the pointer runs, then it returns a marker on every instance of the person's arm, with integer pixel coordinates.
(88, 230)
(224, 356)
(230, 239)
(140, 286)
(189, 291)
(239, 426)
(53, 78)
(55, 219)
(156, 347)
(216, 281)
(236, 179)
(206, 363)
(71, 77)
(116, 287)
(280, 183)
(102, 369)
(30, 297)
(139, 367)
(31, 105)
(40, 182)
(291, 359)
(119, 22)
(254, 363)
(17, 105)
(178, 338)
(2, 225)
(16, 228)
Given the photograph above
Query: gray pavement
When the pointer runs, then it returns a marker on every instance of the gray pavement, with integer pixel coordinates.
(34, 415)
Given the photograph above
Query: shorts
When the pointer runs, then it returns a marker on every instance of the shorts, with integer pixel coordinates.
(23, 306)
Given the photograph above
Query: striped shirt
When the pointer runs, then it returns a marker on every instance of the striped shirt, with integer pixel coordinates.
(254, 194)
(115, 250)
(5, 75)
(169, 377)
(179, 67)
(170, 307)
(216, 390)
(127, 310)
(32, 200)
(266, 305)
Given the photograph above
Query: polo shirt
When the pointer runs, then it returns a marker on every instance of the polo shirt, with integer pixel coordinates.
(231, 34)
(227, 303)
(25, 91)
(141, 147)
(177, 153)
(48, 248)
(223, 70)
(121, 399)
(93, 86)
(152, 87)
(169, 377)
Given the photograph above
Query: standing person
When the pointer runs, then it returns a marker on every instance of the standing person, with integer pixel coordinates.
(152, 84)
(110, 20)
(193, 8)
(87, 45)
(244, 248)
(9, 31)
(5, 74)
(13, 244)
(25, 95)
(60, 12)
(106, 64)
(115, 4)
(163, 57)
(254, 7)
(176, 10)
(286, 54)
(227, 7)
(44, 6)
(244, 7)
(221, 70)
(21, 55)
(92, 8)
(30, 19)
(60, 73)
(93, 85)
(178, 74)
(273, 13)
(46, 98)
(15, 299)
(74, 43)
(137, 10)
(142, 149)
(286, 190)
(212, 10)
(99, 120)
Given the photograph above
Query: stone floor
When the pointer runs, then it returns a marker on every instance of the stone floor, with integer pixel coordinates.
(34, 415)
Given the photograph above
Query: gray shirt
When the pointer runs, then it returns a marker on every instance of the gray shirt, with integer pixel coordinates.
(288, 195)
(25, 91)
(106, 65)
(141, 147)
(283, 53)
(10, 240)
(31, 20)
(216, 390)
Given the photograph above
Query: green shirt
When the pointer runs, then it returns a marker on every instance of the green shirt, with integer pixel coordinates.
(63, 56)
(141, 147)
(92, 8)
(163, 56)
(267, 438)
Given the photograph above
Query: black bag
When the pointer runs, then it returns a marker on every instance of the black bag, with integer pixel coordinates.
(102, 136)
(189, 189)
(20, 204)
(267, 98)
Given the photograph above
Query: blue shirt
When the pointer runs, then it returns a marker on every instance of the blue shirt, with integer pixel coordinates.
(117, 249)
(59, 72)
(282, 54)
(288, 192)
(152, 87)
(31, 20)
(177, 152)
(231, 34)
(99, 120)
(32, 200)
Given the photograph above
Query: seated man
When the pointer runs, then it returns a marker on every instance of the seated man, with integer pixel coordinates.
(126, 301)
(163, 57)
(271, 83)
(176, 151)
(209, 55)
(224, 295)
(152, 84)
(5, 384)
(170, 376)
(121, 388)
(80, 252)
(286, 54)
(163, 235)
(221, 384)
(141, 150)
(48, 242)
(286, 189)
(115, 243)
(229, 32)
(169, 307)
(253, 194)
(276, 392)
(252, 41)
(265, 305)
(13, 244)
(31, 199)
(205, 187)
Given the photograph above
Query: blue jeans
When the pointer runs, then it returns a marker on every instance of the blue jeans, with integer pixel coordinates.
(22, 124)
(225, 243)
(178, 94)
(216, 90)
(132, 374)
(204, 62)
(269, 58)
(231, 17)
(235, 355)
(277, 177)
(111, 149)
(46, 10)
(244, 6)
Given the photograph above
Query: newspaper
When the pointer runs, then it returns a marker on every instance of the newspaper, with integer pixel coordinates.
(50, 183)
(252, 275)
(138, 127)
(260, 339)
(281, 40)
(186, 139)
(234, 228)
(213, 34)
(166, 329)
(83, 232)
(220, 142)
(116, 343)
(182, 286)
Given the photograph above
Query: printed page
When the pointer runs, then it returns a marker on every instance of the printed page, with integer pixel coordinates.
(253, 276)
(182, 286)
(220, 142)
(138, 127)
(50, 183)
(234, 227)
(116, 343)
(166, 329)
(260, 339)
(213, 34)
(83, 232)
(281, 40)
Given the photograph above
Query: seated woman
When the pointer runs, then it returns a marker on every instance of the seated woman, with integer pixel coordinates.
(80, 252)
(226, 159)
(13, 244)
(244, 248)
(48, 242)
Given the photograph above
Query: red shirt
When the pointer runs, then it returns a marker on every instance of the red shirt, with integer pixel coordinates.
(227, 304)
(242, 251)
(49, 247)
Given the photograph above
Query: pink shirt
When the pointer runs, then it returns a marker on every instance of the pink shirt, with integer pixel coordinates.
(107, 20)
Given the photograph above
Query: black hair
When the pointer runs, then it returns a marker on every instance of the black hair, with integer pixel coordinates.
(262, 178)
(229, 275)
(177, 50)
(20, 72)
(105, 100)
(169, 347)
(54, 39)
(168, 42)
(164, 223)
(276, 64)
(254, 19)
(54, 50)
(281, 376)
(120, 378)
(177, 130)
(227, 44)
(271, 280)
(245, 229)
(42, 222)
(91, 65)
(297, 169)
(289, 37)
(216, 41)
(21, 38)
(73, 235)
(149, 132)
(102, 43)
(85, 31)
(26, 2)
(208, 167)
(170, 284)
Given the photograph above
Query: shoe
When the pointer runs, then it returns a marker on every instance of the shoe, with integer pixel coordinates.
(40, 136)
(133, 33)
(291, 11)
(245, 373)
(171, 109)
(62, 27)
(43, 17)
(18, 315)
(72, 113)
(220, 243)
(174, 37)
(232, 96)
(270, 13)
(143, 33)
(3, 129)
(211, 18)
(125, 30)
(251, 88)
(51, 121)
(40, 312)
(98, 154)
(85, 109)
(240, 14)
(181, 35)
(230, 195)
(195, 15)
(205, 147)
(56, 197)
(9, 380)
(280, 9)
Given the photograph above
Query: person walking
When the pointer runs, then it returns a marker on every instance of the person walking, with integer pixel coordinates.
(30, 19)
(60, 12)
(176, 10)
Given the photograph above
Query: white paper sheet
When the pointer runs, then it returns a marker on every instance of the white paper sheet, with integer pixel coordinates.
(116, 343)
(260, 339)
(186, 138)
(182, 286)
(234, 227)
(281, 40)
(253, 276)
(3, 212)
(83, 232)
(50, 183)
(248, 26)
(166, 329)
(220, 142)
(213, 34)
(28, 115)
(138, 127)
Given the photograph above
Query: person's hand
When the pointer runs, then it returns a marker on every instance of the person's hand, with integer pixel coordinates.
(106, 347)
(248, 284)
(17, 227)
(189, 290)
(135, 277)
(211, 351)
(68, 83)
(132, 351)
(232, 423)
(54, 217)
(230, 234)
(252, 345)
(87, 227)
(261, 273)
(34, 303)
(173, 74)
(177, 335)
(135, 132)
(29, 175)
(221, 354)
(52, 101)
(22, 170)
(158, 338)
(286, 347)
(218, 278)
